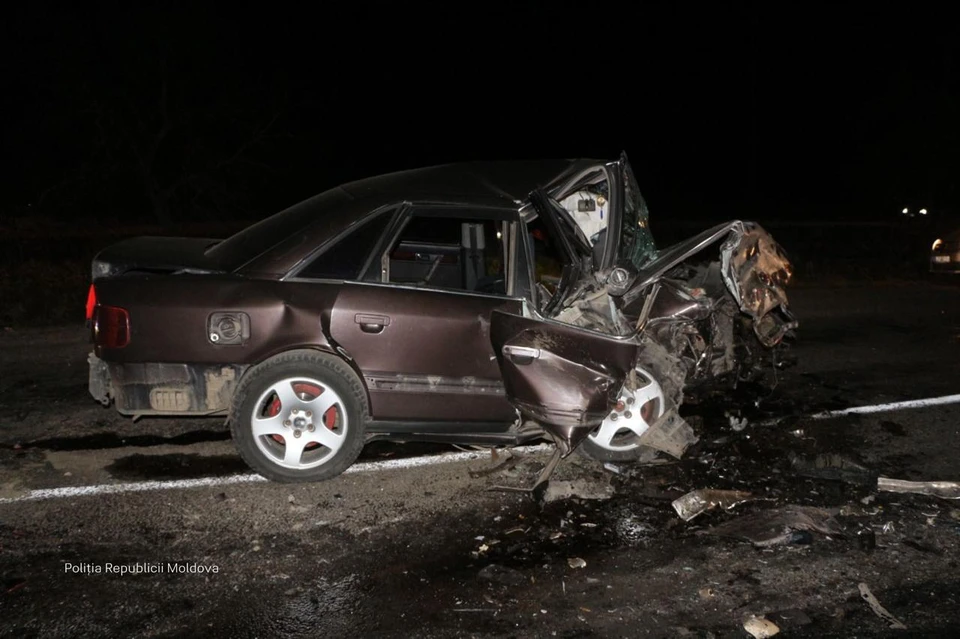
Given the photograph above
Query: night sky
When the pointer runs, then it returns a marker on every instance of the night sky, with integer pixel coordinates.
(117, 112)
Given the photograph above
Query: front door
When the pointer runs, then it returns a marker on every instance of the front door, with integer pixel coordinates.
(421, 334)
(565, 378)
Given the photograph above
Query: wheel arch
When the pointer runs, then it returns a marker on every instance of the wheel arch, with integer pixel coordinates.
(305, 349)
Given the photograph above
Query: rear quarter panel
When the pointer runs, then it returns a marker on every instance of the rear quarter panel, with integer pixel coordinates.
(168, 317)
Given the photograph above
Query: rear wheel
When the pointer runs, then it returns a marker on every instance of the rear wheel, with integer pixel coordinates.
(617, 438)
(299, 417)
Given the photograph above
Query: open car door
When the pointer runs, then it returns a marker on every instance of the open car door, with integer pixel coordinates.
(567, 379)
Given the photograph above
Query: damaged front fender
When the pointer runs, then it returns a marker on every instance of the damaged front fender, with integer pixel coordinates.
(756, 271)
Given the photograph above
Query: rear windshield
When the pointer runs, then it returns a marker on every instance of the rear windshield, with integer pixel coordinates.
(240, 248)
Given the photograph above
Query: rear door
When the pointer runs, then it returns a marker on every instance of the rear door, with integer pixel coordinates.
(418, 324)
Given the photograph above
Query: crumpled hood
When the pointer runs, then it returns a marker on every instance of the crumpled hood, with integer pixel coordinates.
(754, 267)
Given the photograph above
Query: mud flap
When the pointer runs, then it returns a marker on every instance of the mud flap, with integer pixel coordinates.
(99, 383)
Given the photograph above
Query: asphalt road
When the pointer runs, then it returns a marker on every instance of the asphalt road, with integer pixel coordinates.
(155, 528)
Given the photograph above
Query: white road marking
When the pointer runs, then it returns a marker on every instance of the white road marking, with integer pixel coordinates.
(885, 408)
(407, 462)
(142, 486)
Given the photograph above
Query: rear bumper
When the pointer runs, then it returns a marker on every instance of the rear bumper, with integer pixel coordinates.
(164, 389)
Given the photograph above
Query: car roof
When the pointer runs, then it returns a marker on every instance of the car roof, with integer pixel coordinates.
(273, 245)
(491, 182)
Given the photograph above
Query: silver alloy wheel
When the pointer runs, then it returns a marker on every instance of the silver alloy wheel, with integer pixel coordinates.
(299, 423)
(634, 413)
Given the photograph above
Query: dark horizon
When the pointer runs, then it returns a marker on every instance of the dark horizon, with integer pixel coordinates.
(134, 113)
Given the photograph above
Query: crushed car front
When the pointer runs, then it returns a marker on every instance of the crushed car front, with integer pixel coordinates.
(620, 297)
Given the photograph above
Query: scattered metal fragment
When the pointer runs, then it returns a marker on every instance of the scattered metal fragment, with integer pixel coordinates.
(942, 489)
(760, 627)
(879, 610)
(576, 562)
(780, 526)
(670, 434)
(582, 489)
(701, 500)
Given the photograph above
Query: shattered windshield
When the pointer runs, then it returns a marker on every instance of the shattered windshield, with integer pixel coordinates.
(636, 241)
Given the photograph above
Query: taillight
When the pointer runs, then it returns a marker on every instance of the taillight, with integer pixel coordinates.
(91, 302)
(111, 326)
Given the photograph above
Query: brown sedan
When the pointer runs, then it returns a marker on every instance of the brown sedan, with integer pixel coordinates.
(486, 303)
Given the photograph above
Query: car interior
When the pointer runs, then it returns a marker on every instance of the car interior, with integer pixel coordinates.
(450, 253)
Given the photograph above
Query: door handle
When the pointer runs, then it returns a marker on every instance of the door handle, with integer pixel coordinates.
(371, 323)
(521, 355)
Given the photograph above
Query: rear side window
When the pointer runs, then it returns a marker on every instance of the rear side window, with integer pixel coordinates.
(344, 259)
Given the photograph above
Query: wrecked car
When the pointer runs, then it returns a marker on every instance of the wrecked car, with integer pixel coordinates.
(945, 254)
(485, 304)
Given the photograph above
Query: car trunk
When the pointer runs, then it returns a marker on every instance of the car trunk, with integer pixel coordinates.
(155, 255)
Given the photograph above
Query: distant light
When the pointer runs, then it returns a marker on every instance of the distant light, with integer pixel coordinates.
(937, 243)
(923, 211)
(905, 211)
(499, 235)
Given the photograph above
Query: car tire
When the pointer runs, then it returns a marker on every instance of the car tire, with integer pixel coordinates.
(313, 400)
(626, 448)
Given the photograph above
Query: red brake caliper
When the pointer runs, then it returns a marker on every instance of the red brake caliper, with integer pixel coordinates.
(329, 418)
(273, 409)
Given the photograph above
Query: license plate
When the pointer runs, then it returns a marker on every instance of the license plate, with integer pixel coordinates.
(941, 259)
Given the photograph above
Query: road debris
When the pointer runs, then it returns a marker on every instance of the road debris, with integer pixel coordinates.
(879, 610)
(670, 434)
(737, 423)
(558, 490)
(701, 500)
(760, 627)
(942, 489)
(781, 526)
(496, 573)
(576, 562)
(833, 467)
